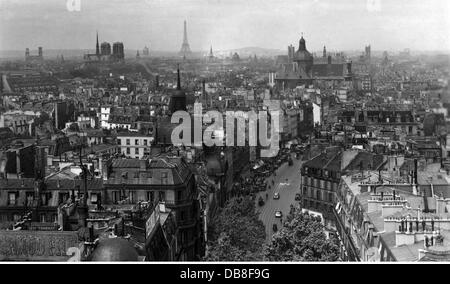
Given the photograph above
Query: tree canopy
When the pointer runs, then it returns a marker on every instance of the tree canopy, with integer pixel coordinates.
(236, 233)
(302, 238)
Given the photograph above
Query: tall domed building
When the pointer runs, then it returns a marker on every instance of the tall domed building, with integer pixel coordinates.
(303, 57)
(301, 68)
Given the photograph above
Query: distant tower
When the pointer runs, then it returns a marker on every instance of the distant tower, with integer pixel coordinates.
(137, 55)
(118, 51)
(41, 54)
(368, 52)
(185, 49)
(27, 53)
(105, 48)
(97, 47)
(146, 51)
(211, 54)
(324, 52)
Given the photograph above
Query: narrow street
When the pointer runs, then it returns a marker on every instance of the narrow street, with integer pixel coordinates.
(286, 189)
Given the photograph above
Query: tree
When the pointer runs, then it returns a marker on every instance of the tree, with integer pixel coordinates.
(302, 238)
(236, 233)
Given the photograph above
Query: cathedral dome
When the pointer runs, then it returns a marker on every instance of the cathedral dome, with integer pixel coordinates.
(115, 249)
(303, 54)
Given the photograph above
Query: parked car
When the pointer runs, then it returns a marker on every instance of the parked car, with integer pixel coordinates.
(274, 227)
(278, 214)
(298, 197)
(276, 195)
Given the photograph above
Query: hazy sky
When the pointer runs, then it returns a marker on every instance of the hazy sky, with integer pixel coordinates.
(227, 24)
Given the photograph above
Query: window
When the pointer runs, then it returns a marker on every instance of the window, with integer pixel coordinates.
(128, 151)
(180, 195)
(95, 198)
(115, 197)
(128, 142)
(63, 197)
(132, 196)
(119, 141)
(42, 218)
(330, 197)
(318, 195)
(162, 196)
(136, 151)
(151, 196)
(136, 142)
(30, 198)
(145, 142)
(12, 198)
(164, 177)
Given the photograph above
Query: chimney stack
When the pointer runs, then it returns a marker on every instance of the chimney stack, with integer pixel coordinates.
(415, 185)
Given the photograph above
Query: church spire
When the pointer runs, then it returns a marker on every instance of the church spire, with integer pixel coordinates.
(97, 47)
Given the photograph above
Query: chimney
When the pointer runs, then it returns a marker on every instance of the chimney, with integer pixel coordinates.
(415, 171)
(415, 185)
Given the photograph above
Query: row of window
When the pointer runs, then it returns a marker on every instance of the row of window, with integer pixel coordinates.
(322, 173)
(129, 195)
(318, 194)
(136, 142)
(43, 218)
(136, 151)
(13, 198)
(143, 175)
(328, 185)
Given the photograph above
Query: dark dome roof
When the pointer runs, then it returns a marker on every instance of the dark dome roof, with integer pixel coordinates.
(115, 249)
(302, 53)
(302, 40)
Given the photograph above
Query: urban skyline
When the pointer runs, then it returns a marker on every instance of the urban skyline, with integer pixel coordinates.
(321, 134)
(228, 25)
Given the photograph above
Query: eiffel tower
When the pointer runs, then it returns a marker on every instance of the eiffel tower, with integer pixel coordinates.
(185, 49)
